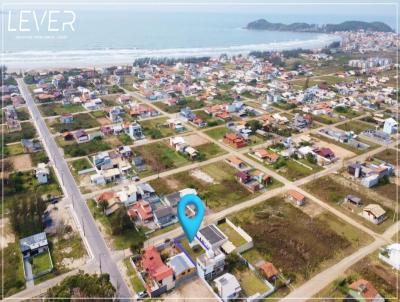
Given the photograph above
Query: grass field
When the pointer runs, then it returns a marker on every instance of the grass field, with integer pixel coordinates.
(27, 131)
(41, 263)
(95, 145)
(233, 236)
(13, 149)
(133, 278)
(23, 185)
(12, 276)
(325, 119)
(160, 157)
(190, 102)
(157, 128)
(209, 119)
(217, 133)
(81, 164)
(210, 150)
(121, 241)
(63, 248)
(383, 278)
(331, 189)
(293, 170)
(286, 236)
(225, 191)
(390, 156)
(250, 283)
(59, 109)
(81, 121)
(356, 126)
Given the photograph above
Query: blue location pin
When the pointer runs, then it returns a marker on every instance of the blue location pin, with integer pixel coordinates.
(190, 225)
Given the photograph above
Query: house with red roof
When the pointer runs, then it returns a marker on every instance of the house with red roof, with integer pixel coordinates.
(363, 290)
(142, 210)
(159, 275)
(234, 140)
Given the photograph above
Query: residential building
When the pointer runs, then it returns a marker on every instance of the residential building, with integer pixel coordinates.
(228, 287)
(234, 140)
(141, 210)
(269, 271)
(362, 291)
(67, 118)
(211, 237)
(181, 265)
(33, 245)
(164, 216)
(390, 126)
(81, 136)
(391, 255)
(160, 276)
(296, 197)
(42, 173)
(210, 264)
(374, 213)
(135, 131)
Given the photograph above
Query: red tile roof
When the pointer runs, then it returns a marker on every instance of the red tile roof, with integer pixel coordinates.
(153, 264)
(365, 288)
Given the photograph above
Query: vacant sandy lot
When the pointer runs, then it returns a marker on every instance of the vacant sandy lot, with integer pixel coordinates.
(21, 162)
(195, 140)
(103, 121)
(191, 290)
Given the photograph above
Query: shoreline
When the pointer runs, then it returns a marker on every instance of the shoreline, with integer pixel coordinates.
(65, 59)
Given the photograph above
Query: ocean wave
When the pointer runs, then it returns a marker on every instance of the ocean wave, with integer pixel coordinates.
(31, 59)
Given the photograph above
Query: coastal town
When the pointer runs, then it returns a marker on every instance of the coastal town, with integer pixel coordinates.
(294, 154)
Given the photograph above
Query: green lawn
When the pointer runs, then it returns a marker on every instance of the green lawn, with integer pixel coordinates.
(23, 185)
(233, 236)
(41, 263)
(194, 252)
(159, 156)
(157, 128)
(190, 102)
(208, 118)
(81, 121)
(250, 283)
(27, 131)
(325, 119)
(331, 189)
(13, 149)
(210, 150)
(12, 277)
(94, 146)
(217, 133)
(81, 164)
(293, 170)
(133, 278)
(225, 191)
(119, 242)
(70, 247)
(59, 109)
(356, 126)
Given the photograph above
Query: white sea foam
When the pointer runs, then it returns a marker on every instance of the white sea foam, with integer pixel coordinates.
(32, 59)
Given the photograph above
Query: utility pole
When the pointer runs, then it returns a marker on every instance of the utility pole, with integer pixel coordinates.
(83, 227)
(100, 264)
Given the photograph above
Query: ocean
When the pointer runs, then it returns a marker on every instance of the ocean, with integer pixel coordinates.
(103, 36)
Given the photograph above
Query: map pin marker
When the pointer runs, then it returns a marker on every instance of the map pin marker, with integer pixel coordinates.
(190, 224)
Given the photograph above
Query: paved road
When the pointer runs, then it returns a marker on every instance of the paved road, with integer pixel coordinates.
(91, 235)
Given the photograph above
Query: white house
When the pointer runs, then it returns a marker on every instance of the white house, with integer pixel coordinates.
(374, 213)
(128, 194)
(390, 126)
(228, 287)
(210, 264)
(391, 255)
(42, 173)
